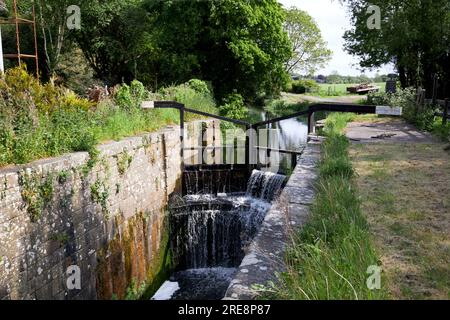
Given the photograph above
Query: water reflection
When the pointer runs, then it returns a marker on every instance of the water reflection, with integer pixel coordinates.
(293, 134)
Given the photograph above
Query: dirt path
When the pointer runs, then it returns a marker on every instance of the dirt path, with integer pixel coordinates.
(404, 181)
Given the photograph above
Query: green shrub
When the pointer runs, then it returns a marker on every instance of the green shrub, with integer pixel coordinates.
(233, 107)
(287, 86)
(276, 107)
(441, 131)
(130, 96)
(305, 86)
(422, 118)
(190, 97)
(200, 86)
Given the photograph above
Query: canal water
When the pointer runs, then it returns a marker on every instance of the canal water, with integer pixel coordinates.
(293, 134)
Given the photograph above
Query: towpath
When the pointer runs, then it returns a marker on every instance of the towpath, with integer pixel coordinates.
(403, 178)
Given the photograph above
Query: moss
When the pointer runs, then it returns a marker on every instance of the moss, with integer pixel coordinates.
(63, 176)
(62, 238)
(135, 291)
(161, 267)
(128, 270)
(90, 164)
(4, 188)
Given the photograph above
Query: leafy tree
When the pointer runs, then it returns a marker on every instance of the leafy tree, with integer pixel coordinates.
(51, 20)
(233, 107)
(114, 38)
(309, 50)
(235, 44)
(414, 35)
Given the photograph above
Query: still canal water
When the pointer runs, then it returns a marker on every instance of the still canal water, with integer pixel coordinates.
(293, 133)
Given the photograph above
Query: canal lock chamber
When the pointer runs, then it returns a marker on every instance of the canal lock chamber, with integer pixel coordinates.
(212, 226)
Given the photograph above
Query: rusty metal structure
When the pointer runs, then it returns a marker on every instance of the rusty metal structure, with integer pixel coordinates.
(17, 21)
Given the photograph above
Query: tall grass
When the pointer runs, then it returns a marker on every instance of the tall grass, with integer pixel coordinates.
(329, 256)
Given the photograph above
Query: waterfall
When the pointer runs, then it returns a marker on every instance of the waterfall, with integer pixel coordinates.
(210, 232)
(264, 185)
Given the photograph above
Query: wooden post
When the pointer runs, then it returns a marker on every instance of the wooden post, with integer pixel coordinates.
(434, 93)
(445, 115)
(183, 185)
(247, 148)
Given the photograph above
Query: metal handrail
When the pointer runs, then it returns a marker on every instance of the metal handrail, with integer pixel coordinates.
(333, 107)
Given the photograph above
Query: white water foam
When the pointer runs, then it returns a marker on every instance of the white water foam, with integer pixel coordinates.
(166, 291)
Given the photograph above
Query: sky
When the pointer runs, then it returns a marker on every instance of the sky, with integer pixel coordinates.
(333, 20)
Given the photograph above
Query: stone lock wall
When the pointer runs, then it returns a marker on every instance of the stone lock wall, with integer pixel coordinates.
(104, 218)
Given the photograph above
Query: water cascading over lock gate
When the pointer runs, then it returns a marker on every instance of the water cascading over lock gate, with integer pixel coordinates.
(210, 232)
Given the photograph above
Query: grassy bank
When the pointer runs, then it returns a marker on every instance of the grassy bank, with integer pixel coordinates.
(44, 120)
(330, 255)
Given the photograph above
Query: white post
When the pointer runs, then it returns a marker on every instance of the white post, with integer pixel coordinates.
(2, 67)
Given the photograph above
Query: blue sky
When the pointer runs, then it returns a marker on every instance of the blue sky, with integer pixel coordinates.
(333, 20)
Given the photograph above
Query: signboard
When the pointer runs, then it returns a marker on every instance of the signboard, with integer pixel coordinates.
(148, 105)
(391, 86)
(389, 111)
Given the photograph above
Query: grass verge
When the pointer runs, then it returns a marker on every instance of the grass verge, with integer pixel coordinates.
(404, 189)
(330, 256)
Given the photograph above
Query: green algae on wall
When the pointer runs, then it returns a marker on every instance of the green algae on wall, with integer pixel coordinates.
(138, 256)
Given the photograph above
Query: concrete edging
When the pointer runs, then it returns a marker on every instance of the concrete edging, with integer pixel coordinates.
(265, 255)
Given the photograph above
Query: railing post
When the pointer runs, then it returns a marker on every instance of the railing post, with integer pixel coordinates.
(311, 123)
(183, 185)
(294, 160)
(445, 115)
(247, 146)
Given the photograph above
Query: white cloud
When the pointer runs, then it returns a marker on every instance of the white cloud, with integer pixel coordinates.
(333, 21)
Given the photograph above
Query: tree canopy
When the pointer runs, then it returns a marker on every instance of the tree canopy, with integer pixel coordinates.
(414, 35)
(239, 46)
(309, 50)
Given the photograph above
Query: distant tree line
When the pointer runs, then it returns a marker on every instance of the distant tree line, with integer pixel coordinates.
(336, 78)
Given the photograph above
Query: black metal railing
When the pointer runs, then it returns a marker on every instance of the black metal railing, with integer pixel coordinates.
(310, 112)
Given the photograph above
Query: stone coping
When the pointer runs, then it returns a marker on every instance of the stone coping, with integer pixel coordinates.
(265, 255)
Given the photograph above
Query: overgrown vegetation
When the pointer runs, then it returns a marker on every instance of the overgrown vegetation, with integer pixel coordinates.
(330, 256)
(423, 117)
(36, 192)
(44, 120)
